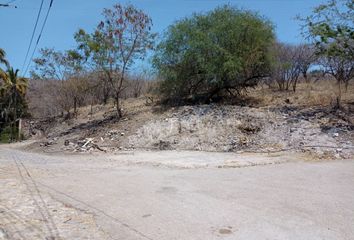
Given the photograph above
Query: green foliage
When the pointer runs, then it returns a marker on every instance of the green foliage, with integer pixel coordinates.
(3, 57)
(222, 51)
(12, 95)
(13, 104)
(5, 135)
(331, 27)
(8, 134)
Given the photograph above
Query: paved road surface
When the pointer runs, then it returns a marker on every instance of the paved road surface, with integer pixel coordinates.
(196, 196)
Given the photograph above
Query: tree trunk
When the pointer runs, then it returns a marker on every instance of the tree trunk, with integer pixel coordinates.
(75, 106)
(287, 86)
(106, 91)
(281, 85)
(339, 96)
(119, 110)
(307, 81)
(305, 76)
(105, 96)
(346, 85)
(294, 85)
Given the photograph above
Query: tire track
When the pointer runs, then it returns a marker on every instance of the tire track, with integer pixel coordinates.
(36, 196)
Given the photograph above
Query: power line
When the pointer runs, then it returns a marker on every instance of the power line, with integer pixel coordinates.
(34, 31)
(39, 36)
(8, 4)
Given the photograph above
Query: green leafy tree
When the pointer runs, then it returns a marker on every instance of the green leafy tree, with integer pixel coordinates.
(207, 55)
(331, 28)
(13, 104)
(122, 37)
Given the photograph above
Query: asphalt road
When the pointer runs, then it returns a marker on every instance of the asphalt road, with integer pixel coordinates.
(128, 198)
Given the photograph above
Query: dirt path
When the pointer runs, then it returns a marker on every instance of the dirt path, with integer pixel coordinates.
(174, 195)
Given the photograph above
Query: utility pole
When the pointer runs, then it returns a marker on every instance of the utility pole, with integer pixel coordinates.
(7, 5)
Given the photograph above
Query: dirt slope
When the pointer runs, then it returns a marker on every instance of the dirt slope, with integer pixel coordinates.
(318, 130)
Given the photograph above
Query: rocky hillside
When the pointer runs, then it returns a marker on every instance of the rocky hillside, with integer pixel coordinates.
(317, 130)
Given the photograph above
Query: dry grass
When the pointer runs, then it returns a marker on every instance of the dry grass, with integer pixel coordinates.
(321, 93)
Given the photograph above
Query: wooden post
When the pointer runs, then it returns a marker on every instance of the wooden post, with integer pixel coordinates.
(19, 128)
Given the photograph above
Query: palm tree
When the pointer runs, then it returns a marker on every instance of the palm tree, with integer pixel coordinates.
(12, 96)
(2, 57)
(13, 83)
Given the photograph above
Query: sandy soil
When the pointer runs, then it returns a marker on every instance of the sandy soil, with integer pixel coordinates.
(174, 195)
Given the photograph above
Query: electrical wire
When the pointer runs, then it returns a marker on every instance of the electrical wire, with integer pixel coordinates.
(39, 36)
(33, 32)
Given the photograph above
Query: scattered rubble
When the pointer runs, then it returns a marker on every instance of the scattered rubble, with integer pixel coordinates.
(114, 135)
(83, 145)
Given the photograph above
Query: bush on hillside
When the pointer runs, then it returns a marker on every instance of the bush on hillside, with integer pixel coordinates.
(213, 55)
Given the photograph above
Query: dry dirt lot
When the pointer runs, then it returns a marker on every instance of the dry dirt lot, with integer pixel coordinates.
(174, 195)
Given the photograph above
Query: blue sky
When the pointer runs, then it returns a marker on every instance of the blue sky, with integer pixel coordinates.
(67, 16)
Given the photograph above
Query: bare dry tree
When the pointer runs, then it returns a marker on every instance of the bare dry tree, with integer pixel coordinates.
(124, 36)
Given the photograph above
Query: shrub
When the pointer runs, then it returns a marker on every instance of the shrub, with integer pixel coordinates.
(213, 55)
